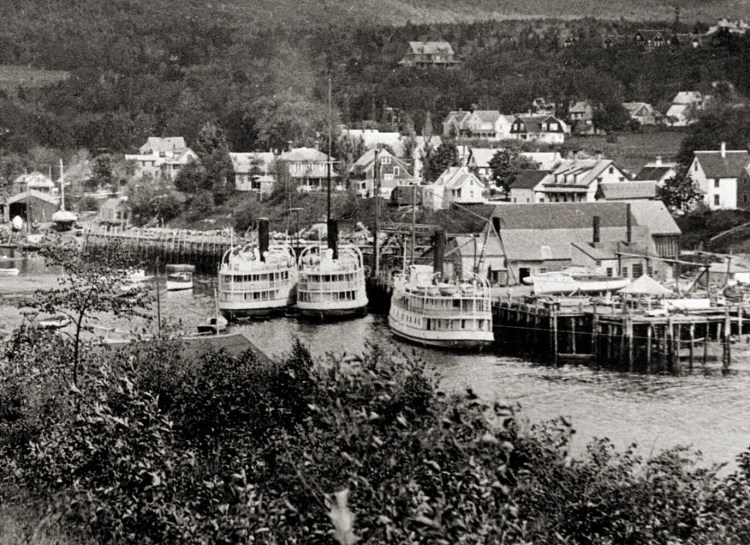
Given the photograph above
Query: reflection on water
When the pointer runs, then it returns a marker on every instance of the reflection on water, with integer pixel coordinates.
(709, 411)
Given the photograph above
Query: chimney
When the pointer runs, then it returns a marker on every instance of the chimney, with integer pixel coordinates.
(628, 224)
(723, 149)
(263, 237)
(333, 237)
(439, 251)
(496, 224)
(658, 162)
(596, 222)
(598, 155)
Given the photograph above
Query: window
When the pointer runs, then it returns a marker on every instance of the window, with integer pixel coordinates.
(611, 170)
(598, 263)
(637, 270)
(609, 272)
(716, 182)
(385, 160)
(717, 200)
(396, 171)
(625, 272)
(696, 166)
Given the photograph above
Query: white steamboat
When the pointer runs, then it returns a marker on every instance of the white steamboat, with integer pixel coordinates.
(429, 310)
(331, 287)
(256, 283)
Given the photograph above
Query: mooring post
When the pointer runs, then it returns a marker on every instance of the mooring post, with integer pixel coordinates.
(595, 333)
(727, 356)
(629, 332)
(706, 337)
(649, 333)
(692, 345)
(573, 335)
(553, 315)
(670, 344)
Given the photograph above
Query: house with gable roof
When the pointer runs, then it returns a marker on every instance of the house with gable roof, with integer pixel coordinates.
(252, 172)
(652, 38)
(35, 181)
(577, 180)
(657, 171)
(429, 54)
(308, 167)
(392, 171)
(643, 113)
(581, 117)
(526, 184)
(627, 191)
(162, 157)
(482, 124)
(717, 172)
(457, 185)
(547, 129)
(454, 124)
(684, 107)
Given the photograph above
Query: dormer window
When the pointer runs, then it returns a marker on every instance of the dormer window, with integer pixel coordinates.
(385, 160)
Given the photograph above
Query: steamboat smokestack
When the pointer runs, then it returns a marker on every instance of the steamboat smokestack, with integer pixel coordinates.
(596, 225)
(439, 249)
(628, 224)
(263, 237)
(333, 237)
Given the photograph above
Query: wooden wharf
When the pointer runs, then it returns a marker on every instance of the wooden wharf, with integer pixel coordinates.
(565, 329)
(204, 249)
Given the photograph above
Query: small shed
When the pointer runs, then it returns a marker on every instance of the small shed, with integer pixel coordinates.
(115, 211)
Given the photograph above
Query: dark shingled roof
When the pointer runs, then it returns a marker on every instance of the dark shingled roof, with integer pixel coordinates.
(528, 179)
(622, 191)
(716, 166)
(651, 173)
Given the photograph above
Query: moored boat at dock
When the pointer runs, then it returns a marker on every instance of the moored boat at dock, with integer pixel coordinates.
(180, 277)
(575, 280)
(331, 287)
(447, 313)
(253, 282)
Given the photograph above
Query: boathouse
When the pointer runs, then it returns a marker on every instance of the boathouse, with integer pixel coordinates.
(115, 212)
(32, 205)
(545, 237)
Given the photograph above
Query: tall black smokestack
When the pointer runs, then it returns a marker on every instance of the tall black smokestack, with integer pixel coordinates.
(597, 233)
(263, 237)
(333, 237)
(439, 251)
(628, 224)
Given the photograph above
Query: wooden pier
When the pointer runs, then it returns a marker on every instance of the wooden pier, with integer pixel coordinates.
(171, 246)
(568, 329)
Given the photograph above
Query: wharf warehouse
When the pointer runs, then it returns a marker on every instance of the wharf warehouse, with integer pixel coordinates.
(545, 237)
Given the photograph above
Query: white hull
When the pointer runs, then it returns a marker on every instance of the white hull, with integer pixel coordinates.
(571, 285)
(441, 339)
(177, 286)
(9, 272)
(285, 299)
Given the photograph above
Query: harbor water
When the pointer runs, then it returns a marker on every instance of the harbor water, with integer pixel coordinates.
(706, 409)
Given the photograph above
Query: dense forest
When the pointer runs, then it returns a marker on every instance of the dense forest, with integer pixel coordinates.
(134, 72)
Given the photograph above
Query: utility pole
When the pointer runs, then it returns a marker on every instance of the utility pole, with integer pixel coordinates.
(413, 221)
(330, 129)
(375, 249)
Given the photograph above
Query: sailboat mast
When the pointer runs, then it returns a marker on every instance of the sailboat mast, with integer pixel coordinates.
(330, 107)
(413, 221)
(62, 187)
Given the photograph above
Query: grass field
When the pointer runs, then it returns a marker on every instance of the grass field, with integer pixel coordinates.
(12, 77)
(631, 150)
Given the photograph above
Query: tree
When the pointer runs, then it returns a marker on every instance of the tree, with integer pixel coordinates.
(102, 171)
(192, 178)
(90, 283)
(505, 165)
(213, 151)
(610, 116)
(680, 192)
(435, 163)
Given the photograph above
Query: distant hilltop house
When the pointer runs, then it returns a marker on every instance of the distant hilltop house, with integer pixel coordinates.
(643, 113)
(656, 38)
(373, 138)
(724, 25)
(581, 117)
(308, 167)
(717, 173)
(532, 128)
(162, 157)
(485, 124)
(374, 164)
(429, 54)
(252, 172)
(684, 107)
(457, 185)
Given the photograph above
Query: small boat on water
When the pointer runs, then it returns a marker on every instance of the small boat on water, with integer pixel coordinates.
(213, 325)
(135, 282)
(53, 322)
(11, 271)
(445, 313)
(180, 277)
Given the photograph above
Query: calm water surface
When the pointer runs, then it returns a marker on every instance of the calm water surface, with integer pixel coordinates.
(710, 411)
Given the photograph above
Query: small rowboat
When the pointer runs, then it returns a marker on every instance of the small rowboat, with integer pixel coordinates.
(53, 322)
(213, 325)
